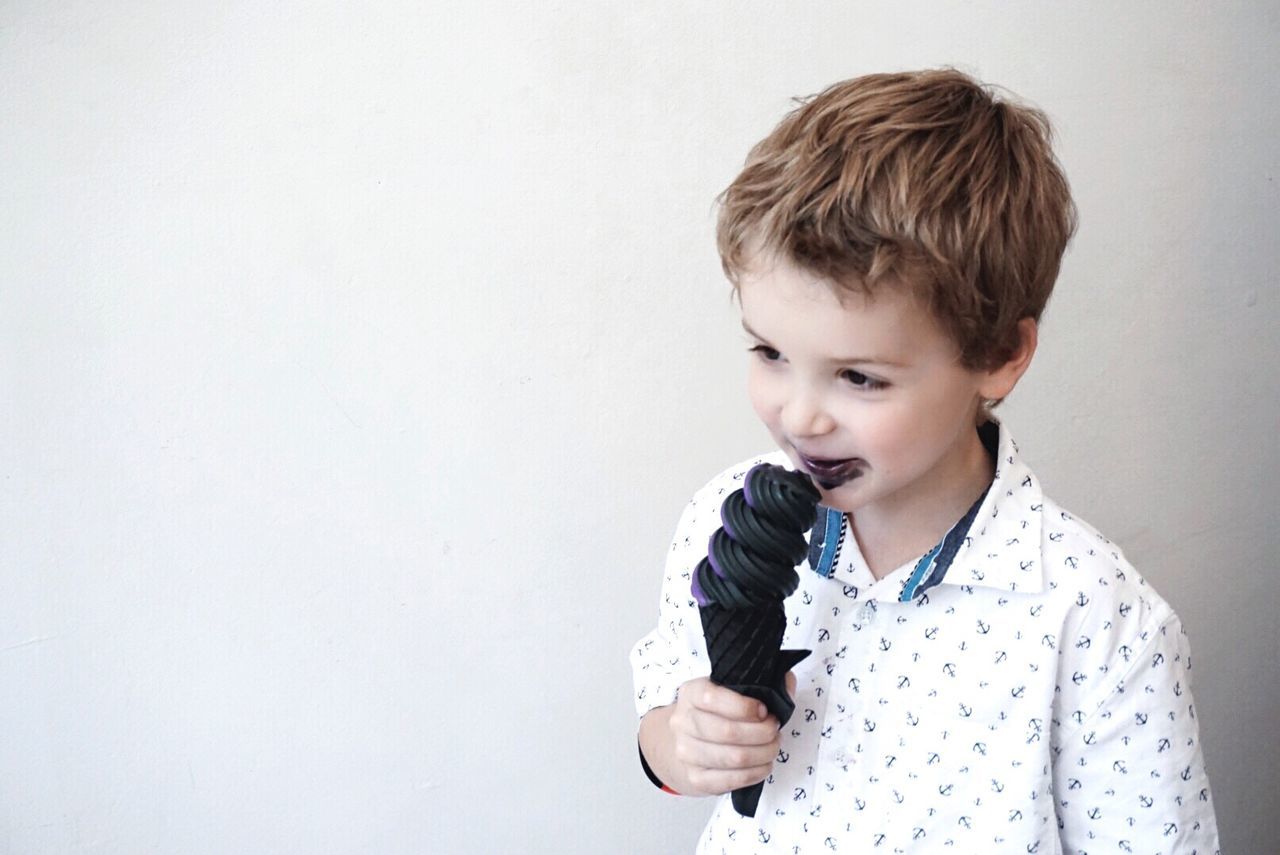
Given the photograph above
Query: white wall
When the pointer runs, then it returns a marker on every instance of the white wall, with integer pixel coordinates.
(358, 360)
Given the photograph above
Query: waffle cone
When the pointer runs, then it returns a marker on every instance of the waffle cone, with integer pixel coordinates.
(744, 646)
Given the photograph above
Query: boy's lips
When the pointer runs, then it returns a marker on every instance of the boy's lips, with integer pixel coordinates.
(832, 472)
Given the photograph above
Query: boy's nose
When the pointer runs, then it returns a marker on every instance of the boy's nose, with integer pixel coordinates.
(804, 415)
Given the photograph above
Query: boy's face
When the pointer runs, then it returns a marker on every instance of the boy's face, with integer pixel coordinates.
(865, 395)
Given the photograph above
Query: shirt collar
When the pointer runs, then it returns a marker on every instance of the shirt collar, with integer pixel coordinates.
(995, 545)
(1002, 547)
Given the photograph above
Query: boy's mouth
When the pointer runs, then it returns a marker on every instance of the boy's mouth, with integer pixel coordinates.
(831, 473)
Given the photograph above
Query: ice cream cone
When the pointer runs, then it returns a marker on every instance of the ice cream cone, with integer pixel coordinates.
(740, 588)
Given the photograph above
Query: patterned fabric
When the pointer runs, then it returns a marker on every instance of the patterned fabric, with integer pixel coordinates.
(1032, 697)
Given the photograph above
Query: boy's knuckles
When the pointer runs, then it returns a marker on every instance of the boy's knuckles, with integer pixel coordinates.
(698, 777)
(696, 725)
(738, 733)
(731, 733)
(719, 700)
(747, 777)
(756, 734)
(742, 708)
(682, 722)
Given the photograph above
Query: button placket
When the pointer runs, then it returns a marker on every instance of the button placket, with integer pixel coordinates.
(836, 741)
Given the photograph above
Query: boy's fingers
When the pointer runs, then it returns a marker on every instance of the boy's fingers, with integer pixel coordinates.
(717, 781)
(734, 758)
(713, 728)
(791, 684)
(727, 703)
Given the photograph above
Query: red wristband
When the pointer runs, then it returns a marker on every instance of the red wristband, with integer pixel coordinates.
(657, 782)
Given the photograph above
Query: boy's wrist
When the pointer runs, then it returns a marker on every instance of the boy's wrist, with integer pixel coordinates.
(648, 771)
(654, 745)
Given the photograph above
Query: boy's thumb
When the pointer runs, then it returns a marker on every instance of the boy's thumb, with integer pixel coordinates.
(791, 684)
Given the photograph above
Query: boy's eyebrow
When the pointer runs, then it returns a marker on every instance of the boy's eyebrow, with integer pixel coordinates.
(851, 360)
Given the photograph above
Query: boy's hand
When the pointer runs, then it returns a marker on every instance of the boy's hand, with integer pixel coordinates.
(721, 739)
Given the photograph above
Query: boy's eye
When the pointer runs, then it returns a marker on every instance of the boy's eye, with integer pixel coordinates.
(862, 381)
(768, 354)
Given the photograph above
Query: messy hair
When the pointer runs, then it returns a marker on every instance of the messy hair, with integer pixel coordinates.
(925, 180)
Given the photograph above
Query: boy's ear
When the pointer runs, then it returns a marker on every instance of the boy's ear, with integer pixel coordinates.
(999, 381)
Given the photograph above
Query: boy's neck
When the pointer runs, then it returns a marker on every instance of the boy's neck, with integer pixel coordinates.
(890, 535)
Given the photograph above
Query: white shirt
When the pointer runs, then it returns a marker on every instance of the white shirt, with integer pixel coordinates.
(1030, 696)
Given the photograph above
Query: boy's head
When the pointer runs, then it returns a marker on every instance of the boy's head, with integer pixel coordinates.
(920, 181)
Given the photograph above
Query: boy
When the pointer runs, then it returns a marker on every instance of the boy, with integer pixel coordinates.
(988, 673)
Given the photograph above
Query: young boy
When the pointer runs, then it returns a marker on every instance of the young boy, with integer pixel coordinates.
(988, 674)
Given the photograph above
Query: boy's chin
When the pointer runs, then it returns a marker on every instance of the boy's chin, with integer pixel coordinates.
(843, 497)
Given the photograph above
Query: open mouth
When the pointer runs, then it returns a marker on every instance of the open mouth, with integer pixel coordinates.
(830, 472)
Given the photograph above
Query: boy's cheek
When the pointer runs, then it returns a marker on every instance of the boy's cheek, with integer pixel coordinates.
(763, 402)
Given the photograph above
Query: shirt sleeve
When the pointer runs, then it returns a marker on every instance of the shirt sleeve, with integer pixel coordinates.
(675, 651)
(1130, 776)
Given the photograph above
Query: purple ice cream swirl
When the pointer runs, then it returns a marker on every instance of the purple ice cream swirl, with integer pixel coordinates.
(751, 559)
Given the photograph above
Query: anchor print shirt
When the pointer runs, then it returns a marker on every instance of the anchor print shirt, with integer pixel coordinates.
(1020, 689)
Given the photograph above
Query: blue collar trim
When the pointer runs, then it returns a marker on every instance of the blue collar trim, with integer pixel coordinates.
(825, 540)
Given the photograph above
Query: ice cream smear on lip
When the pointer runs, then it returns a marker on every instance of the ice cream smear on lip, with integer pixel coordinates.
(830, 473)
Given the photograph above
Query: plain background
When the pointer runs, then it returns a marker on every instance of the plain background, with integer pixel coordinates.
(359, 358)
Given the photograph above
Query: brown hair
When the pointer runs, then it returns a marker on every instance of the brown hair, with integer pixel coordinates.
(920, 178)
